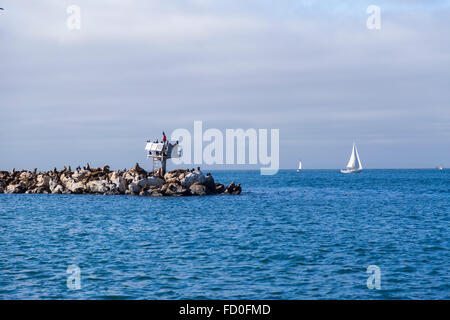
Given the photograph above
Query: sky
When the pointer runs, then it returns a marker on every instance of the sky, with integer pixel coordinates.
(311, 69)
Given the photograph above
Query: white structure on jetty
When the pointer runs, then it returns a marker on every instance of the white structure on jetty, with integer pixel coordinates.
(159, 152)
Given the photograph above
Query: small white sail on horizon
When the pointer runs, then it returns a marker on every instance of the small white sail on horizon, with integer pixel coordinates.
(354, 164)
(299, 166)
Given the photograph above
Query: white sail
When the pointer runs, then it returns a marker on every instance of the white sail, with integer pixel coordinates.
(359, 160)
(354, 162)
(300, 165)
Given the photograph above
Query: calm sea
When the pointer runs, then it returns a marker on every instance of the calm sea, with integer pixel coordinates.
(308, 235)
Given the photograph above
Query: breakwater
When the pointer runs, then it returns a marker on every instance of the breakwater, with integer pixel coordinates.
(135, 181)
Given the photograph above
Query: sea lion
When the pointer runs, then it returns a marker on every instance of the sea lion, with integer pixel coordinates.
(139, 169)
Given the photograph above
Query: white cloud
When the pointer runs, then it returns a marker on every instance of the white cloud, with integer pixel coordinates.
(316, 75)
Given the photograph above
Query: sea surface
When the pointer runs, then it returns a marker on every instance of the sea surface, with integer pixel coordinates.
(309, 235)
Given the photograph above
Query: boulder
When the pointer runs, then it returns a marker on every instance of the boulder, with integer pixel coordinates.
(39, 190)
(43, 181)
(76, 187)
(150, 182)
(118, 181)
(25, 175)
(155, 182)
(210, 184)
(197, 189)
(97, 186)
(64, 178)
(15, 188)
(79, 175)
(128, 176)
(220, 188)
(164, 188)
(192, 178)
(143, 193)
(58, 189)
(135, 181)
(174, 189)
(156, 193)
(52, 185)
(134, 188)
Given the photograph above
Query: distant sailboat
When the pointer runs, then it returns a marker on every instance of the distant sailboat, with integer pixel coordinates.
(441, 167)
(299, 166)
(354, 164)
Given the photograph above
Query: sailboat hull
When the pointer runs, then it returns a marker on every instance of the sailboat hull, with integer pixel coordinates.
(351, 170)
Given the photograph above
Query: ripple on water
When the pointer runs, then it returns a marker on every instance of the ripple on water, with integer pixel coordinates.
(290, 236)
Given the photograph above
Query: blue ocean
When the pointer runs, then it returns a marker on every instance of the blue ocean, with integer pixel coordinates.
(308, 235)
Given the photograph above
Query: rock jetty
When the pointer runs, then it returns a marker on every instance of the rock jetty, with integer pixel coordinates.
(135, 181)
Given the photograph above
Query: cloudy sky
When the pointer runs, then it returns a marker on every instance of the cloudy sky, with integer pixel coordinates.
(309, 68)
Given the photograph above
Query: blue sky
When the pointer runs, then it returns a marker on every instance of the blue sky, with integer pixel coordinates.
(309, 68)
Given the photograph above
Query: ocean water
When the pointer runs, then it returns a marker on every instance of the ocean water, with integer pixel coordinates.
(308, 235)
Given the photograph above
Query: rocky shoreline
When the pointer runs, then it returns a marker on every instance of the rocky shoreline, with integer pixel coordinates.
(135, 181)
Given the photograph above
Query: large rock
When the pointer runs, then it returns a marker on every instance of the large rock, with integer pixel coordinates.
(155, 182)
(193, 177)
(220, 188)
(119, 182)
(210, 184)
(197, 189)
(170, 175)
(76, 187)
(135, 181)
(174, 189)
(25, 175)
(15, 188)
(79, 175)
(39, 190)
(52, 185)
(43, 181)
(129, 176)
(150, 182)
(134, 188)
(156, 193)
(97, 186)
(58, 189)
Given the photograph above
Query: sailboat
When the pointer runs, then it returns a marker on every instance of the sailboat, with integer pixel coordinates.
(354, 164)
(299, 166)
